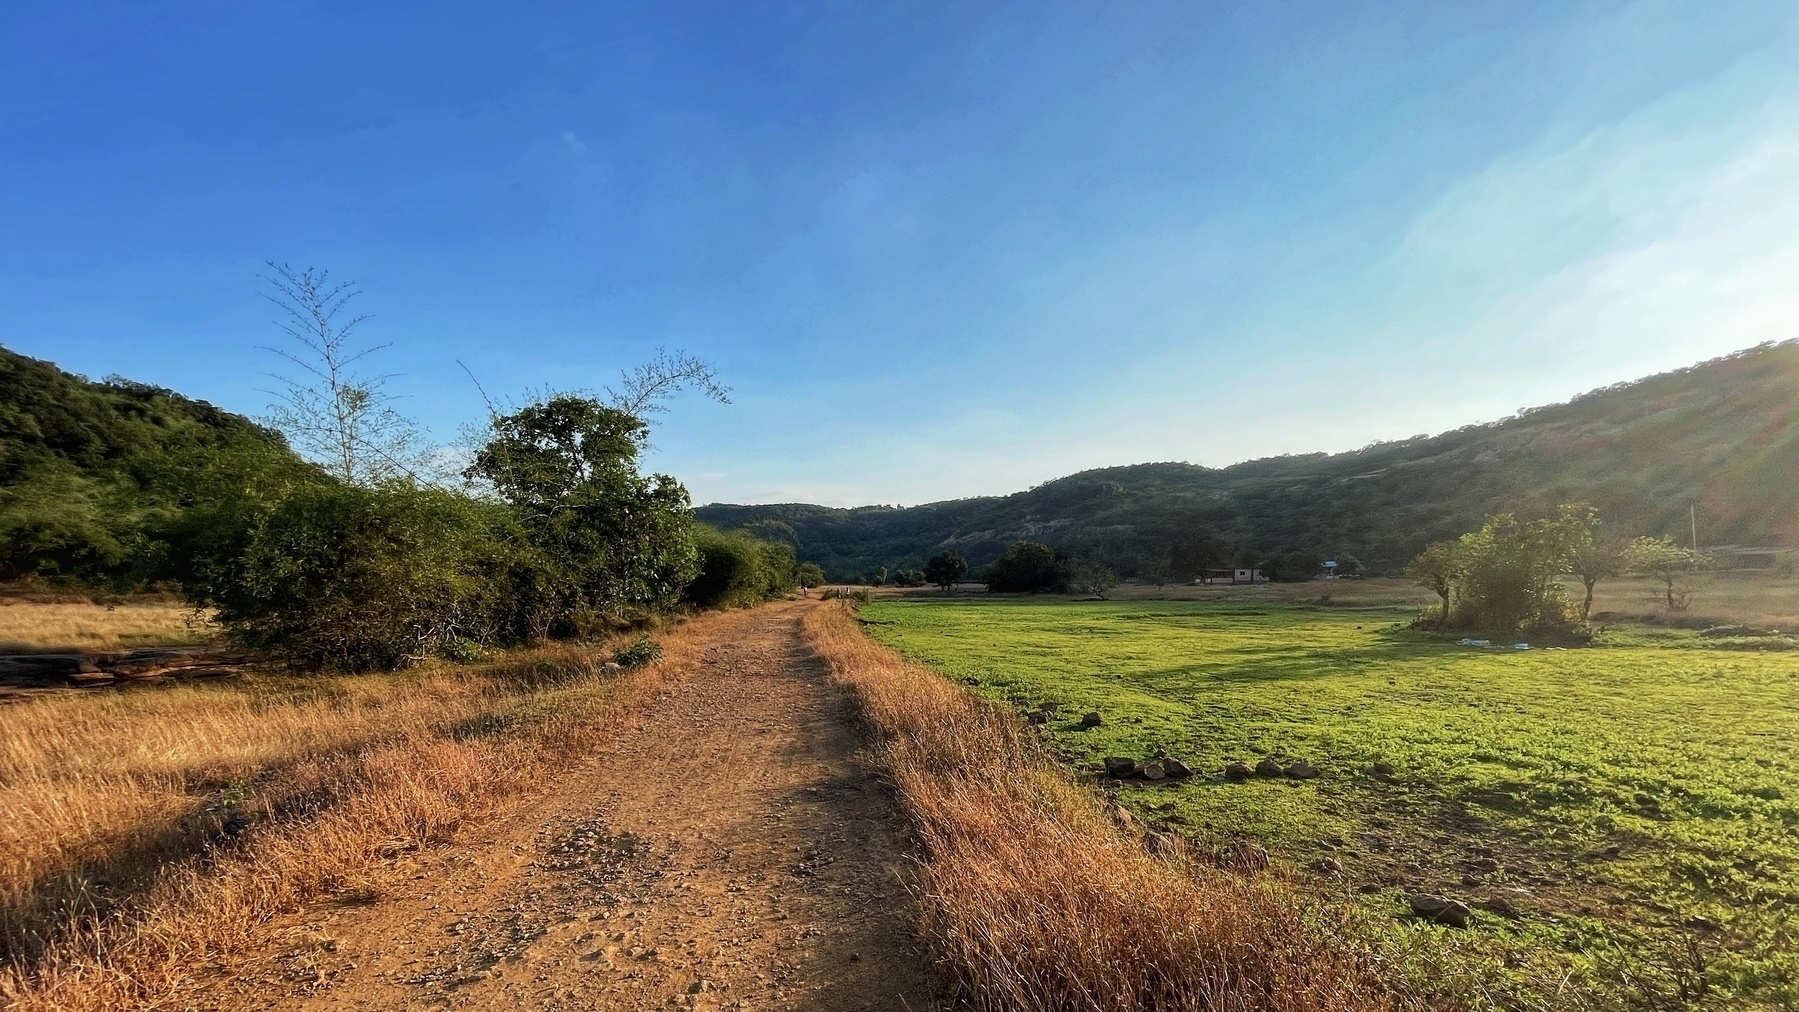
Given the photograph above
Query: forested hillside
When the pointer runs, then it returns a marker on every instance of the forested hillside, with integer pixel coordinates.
(1721, 436)
(85, 467)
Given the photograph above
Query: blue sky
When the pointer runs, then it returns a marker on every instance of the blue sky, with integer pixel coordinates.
(937, 249)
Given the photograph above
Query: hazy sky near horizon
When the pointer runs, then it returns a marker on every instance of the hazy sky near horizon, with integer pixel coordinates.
(936, 249)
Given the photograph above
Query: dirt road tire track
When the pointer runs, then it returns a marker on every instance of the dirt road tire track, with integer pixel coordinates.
(729, 851)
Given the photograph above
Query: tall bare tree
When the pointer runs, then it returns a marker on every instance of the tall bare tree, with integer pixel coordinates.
(645, 390)
(334, 413)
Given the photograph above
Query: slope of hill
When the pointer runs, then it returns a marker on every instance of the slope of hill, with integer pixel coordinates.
(84, 465)
(1721, 437)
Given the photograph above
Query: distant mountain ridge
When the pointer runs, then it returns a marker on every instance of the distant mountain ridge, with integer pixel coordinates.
(1720, 437)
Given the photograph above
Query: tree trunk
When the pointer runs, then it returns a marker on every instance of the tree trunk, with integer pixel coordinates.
(1586, 607)
(1445, 596)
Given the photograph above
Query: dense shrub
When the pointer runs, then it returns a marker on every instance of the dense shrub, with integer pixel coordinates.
(737, 570)
(641, 652)
(336, 575)
(1292, 566)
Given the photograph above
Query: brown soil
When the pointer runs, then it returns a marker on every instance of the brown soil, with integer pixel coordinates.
(730, 851)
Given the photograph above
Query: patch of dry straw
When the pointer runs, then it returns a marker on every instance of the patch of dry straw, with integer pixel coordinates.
(146, 836)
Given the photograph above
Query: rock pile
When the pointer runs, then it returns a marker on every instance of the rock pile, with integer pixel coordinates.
(1118, 767)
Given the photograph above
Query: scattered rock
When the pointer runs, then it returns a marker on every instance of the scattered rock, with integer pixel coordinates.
(1120, 766)
(1300, 770)
(1153, 771)
(1048, 709)
(612, 667)
(1238, 772)
(1268, 768)
(1090, 720)
(1328, 865)
(1037, 717)
(1382, 770)
(1176, 768)
(1502, 906)
(971, 681)
(1122, 816)
(1441, 909)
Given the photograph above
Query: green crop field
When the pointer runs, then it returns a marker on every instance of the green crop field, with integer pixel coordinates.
(1631, 806)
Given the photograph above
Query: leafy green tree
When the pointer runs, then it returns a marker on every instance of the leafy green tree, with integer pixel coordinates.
(946, 569)
(1439, 569)
(1027, 567)
(1090, 576)
(1668, 561)
(1594, 560)
(1512, 567)
(809, 575)
(606, 541)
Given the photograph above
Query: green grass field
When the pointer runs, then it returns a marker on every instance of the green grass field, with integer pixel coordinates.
(1632, 804)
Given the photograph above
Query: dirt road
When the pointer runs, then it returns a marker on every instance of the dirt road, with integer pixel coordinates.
(728, 852)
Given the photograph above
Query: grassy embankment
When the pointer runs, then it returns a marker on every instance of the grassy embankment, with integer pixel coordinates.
(147, 833)
(1632, 807)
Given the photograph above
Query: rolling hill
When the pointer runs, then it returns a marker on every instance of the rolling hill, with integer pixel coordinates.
(86, 467)
(1720, 437)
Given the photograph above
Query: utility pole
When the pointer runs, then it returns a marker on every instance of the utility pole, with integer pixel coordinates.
(1693, 518)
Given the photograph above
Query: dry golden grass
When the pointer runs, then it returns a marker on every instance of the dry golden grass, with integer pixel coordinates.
(1750, 598)
(83, 627)
(147, 834)
(1039, 901)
